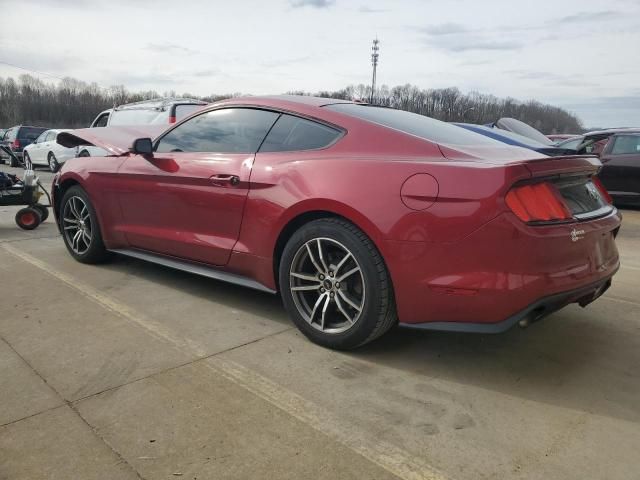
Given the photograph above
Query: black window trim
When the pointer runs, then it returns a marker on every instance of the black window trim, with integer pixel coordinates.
(280, 111)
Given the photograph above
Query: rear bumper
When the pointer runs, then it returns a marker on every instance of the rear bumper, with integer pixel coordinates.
(501, 272)
(533, 313)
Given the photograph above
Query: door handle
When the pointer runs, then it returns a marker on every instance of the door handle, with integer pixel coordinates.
(225, 180)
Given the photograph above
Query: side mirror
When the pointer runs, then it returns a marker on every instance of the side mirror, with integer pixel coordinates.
(142, 146)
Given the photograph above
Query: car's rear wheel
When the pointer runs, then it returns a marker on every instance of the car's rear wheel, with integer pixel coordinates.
(80, 228)
(12, 161)
(335, 285)
(54, 166)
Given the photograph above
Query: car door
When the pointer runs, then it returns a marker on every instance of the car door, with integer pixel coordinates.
(187, 199)
(621, 165)
(36, 150)
(48, 146)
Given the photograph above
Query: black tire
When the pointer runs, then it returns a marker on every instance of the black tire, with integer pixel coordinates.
(95, 251)
(12, 161)
(44, 211)
(52, 161)
(377, 313)
(28, 218)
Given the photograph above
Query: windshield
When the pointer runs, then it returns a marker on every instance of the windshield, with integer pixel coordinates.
(513, 125)
(414, 124)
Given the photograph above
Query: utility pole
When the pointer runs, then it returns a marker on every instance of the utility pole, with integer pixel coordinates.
(374, 63)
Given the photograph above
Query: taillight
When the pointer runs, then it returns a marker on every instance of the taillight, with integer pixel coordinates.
(538, 202)
(602, 189)
(172, 119)
(16, 143)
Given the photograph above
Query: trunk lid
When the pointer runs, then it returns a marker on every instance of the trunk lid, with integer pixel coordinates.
(571, 175)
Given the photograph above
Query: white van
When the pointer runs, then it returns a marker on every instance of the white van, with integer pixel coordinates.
(159, 111)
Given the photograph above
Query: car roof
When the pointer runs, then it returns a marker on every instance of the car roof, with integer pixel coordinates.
(613, 130)
(285, 100)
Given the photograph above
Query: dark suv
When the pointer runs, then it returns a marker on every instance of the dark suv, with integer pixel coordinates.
(16, 138)
(619, 152)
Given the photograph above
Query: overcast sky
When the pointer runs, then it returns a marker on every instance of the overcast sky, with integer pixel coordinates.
(583, 55)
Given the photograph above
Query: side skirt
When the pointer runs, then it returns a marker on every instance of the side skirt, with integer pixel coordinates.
(195, 268)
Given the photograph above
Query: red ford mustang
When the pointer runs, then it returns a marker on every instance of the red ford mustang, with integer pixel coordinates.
(360, 216)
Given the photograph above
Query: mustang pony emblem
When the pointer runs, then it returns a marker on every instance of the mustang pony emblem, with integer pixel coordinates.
(577, 235)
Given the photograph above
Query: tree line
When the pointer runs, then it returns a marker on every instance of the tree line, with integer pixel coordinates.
(71, 103)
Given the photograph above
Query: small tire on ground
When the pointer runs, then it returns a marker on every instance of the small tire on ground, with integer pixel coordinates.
(378, 313)
(44, 211)
(96, 253)
(28, 218)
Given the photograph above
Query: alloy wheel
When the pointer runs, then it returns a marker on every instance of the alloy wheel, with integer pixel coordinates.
(77, 226)
(327, 285)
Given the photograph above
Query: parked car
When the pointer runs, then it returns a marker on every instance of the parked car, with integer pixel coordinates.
(360, 216)
(16, 138)
(161, 111)
(559, 137)
(45, 150)
(619, 151)
(515, 139)
(521, 128)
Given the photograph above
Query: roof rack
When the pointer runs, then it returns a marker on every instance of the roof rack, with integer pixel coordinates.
(158, 103)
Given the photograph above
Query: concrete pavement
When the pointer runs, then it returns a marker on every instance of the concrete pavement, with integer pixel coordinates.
(131, 370)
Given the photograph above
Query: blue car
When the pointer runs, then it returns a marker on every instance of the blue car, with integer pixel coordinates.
(511, 138)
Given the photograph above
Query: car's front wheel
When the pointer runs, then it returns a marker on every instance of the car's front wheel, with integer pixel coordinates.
(80, 228)
(335, 285)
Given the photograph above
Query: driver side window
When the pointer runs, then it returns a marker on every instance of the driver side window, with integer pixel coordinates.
(227, 130)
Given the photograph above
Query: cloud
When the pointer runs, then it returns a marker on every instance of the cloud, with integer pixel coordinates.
(169, 48)
(285, 62)
(454, 37)
(586, 17)
(312, 3)
(446, 29)
(550, 78)
(365, 9)
(206, 73)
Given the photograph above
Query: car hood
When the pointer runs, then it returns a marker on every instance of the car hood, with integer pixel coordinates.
(115, 140)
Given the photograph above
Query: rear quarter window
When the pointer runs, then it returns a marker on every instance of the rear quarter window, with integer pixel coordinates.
(294, 134)
(413, 124)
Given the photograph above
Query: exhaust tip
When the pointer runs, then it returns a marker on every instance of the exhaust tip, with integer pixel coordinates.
(524, 323)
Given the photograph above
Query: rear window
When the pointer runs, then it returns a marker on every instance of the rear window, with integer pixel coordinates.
(294, 134)
(30, 133)
(626, 145)
(186, 110)
(139, 116)
(414, 124)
